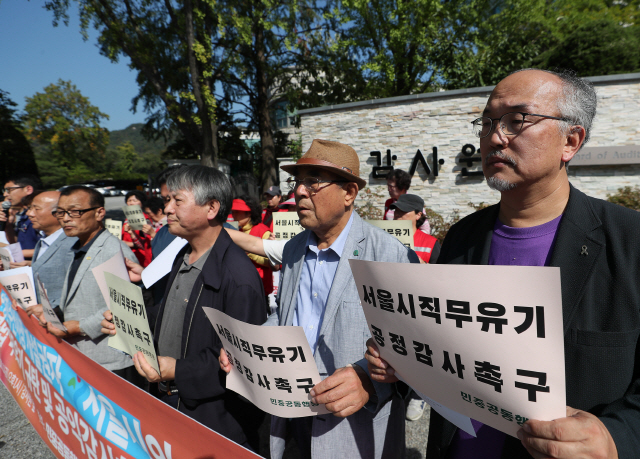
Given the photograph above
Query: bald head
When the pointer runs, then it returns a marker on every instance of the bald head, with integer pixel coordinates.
(40, 212)
(574, 98)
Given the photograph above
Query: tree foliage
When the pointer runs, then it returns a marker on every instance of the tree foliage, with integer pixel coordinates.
(263, 45)
(66, 128)
(627, 197)
(171, 44)
(598, 47)
(16, 155)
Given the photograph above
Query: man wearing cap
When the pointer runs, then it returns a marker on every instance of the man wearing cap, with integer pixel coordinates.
(273, 196)
(410, 207)
(318, 293)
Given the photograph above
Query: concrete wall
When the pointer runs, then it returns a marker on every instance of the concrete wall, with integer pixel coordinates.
(442, 120)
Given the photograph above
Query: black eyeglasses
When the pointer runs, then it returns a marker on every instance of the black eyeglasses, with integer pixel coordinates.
(9, 188)
(510, 123)
(311, 184)
(75, 213)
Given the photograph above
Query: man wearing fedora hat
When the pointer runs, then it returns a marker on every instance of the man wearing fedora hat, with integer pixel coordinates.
(318, 292)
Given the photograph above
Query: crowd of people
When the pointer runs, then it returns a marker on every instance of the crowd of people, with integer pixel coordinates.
(533, 124)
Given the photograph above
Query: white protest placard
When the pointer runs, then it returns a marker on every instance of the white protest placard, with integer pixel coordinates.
(6, 258)
(162, 264)
(457, 419)
(273, 368)
(130, 318)
(114, 265)
(286, 225)
(484, 341)
(135, 216)
(19, 284)
(16, 252)
(3, 238)
(402, 230)
(114, 227)
(47, 310)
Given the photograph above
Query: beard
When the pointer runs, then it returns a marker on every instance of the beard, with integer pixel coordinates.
(499, 184)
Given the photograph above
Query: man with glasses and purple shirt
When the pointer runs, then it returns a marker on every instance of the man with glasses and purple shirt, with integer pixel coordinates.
(533, 124)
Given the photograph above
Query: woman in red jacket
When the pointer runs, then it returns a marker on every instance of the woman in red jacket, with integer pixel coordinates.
(248, 213)
(138, 240)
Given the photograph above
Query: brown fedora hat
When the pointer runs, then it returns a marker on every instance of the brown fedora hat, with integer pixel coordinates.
(334, 157)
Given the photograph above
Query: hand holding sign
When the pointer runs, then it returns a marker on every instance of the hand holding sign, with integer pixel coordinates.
(379, 369)
(129, 315)
(580, 434)
(344, 392)
(274, 371)
(48, 314)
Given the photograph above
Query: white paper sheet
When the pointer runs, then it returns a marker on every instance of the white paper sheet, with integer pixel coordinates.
(6, 258)
(130, 318)
(114, 227)
(289, 377)
(114, 265)
(484, 341)
(48, 311)
(16, 252)
(135, 216)
(161, 265)
(19, 284)
(402, 230)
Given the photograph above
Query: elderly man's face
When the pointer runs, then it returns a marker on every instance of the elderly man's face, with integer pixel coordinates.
(184, 217)
(87, 223)
(534, 155)
(40, 211)
(323, 209)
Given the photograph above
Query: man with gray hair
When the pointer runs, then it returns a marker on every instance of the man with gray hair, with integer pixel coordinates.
(533, 124)
(210, 271)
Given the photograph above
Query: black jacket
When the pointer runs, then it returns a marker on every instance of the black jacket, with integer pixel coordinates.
(601, 313)
(230, 283)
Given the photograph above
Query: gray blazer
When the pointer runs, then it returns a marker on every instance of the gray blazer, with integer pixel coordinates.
(52, 267)
(375, 433)
(83, 301)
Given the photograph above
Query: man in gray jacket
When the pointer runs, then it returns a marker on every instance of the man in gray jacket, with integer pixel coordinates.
(52, 254)
(81, 212)
(318, 293)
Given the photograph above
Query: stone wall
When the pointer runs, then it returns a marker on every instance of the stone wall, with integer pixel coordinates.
(404, 125)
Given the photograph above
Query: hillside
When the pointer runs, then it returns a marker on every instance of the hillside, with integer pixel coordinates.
(134, 135)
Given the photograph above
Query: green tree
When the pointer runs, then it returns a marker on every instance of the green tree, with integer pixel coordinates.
(598, 47)
(264, 47)
(66, 128)
(172, 45)
(16, 155)
(627, 197)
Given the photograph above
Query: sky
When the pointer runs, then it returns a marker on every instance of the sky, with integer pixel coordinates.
(34, 54)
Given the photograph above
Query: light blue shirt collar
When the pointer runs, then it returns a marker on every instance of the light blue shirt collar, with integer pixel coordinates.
(338, 244)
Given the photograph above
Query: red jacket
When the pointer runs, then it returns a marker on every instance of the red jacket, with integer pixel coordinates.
(423, 244)
(266, 274)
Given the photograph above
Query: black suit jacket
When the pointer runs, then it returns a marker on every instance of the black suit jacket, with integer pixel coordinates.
(597, 248)
(229, 283)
